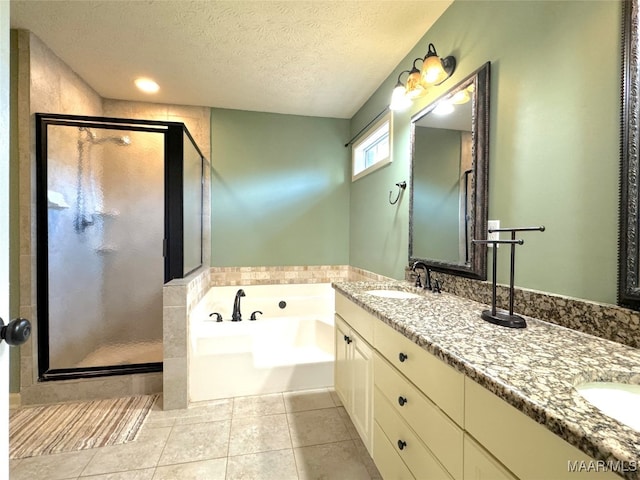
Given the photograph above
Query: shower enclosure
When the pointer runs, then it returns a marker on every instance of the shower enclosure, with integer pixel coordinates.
(119, 213)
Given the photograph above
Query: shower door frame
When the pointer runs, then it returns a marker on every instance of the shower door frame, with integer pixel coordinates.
(173, 244)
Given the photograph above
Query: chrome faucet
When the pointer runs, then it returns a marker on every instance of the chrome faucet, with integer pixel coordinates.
(236, 316)
(427, 275)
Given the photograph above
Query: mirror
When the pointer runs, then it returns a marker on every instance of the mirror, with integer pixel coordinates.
(628, 284)
(449, 174)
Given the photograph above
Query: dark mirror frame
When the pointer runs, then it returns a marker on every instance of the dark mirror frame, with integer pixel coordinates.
(628, 284)
(476, 267)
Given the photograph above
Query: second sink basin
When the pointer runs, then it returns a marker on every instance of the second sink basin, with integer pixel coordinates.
(392, 294)
(617, 400)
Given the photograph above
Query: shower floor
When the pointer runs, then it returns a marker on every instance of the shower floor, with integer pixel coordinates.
(123, 354)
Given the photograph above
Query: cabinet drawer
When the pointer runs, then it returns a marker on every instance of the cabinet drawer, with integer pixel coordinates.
(441, 383)
(358, 318)
(389, 463)
(480, 465)
(416, 456)
(438, 432)
(525, 447)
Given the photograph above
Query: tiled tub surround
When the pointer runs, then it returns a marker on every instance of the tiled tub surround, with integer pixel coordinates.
(289, 274)
(288, 348)
(614, 323)
(534, 369)
(180, 296)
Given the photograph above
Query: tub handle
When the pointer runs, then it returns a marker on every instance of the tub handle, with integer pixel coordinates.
(253, 315)
(218, 316)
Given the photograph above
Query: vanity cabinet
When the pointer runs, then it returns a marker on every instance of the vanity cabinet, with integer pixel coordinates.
(480, 464)
(525, 447)
(354, 366)
(418, 405)
(422, 419)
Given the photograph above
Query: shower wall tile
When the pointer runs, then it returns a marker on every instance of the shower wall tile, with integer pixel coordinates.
(26, 371)
(174, 296)
(143, 384)
(174, 385)
(71, 390)
(174, 332)
(26, 262)
(198, 123)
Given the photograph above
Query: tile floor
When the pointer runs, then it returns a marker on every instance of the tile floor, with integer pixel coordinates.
(293, 435)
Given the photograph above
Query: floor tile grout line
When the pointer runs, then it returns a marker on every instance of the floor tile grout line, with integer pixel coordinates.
(89, 461)
(295, 461)
(226, 460)
(157, 462)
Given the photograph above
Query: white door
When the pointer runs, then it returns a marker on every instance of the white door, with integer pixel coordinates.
(4, 236)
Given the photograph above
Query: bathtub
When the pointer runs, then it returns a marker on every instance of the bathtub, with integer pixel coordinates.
(290, 346)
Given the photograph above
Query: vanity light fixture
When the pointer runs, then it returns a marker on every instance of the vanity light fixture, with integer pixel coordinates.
(416, 88)
(147, 85)
(434, 71)
(399, 99)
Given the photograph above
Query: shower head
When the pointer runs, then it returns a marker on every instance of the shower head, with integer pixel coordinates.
(92, 138)
(124, 140)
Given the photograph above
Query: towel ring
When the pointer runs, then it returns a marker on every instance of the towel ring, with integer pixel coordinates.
(401, 186)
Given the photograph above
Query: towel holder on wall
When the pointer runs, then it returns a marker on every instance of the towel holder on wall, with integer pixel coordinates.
(401, 186)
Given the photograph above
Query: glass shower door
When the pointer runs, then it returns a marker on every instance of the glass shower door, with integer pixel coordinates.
(105, 228)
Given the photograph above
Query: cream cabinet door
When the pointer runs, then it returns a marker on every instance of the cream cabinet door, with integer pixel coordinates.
(354, 378)
(362, 405)
(342, 366)
(480, 465)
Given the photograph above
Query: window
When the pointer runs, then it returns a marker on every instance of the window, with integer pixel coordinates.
(373, 150)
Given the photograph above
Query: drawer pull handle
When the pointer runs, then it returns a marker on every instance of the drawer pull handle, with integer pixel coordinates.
(402, 357)
(401, 444)
(402, 401)
(347, 339)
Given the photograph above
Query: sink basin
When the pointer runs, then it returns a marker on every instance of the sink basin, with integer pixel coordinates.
(617, 400)
(392, 294)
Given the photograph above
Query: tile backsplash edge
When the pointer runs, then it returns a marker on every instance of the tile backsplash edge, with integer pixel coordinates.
(611, 322)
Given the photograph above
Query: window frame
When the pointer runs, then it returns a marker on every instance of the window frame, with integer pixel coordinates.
(368, 138)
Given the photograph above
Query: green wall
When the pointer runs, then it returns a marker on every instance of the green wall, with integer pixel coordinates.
(279, 189)
(554, 142)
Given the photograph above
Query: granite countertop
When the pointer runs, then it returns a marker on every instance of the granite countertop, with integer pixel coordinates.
(534, 368)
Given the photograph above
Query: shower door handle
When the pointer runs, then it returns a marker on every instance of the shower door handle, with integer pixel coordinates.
(16, 332)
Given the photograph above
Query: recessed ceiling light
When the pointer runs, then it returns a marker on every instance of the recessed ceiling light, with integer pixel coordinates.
(147, 85)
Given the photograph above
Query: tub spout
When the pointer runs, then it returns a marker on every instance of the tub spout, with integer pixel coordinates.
(236, 316)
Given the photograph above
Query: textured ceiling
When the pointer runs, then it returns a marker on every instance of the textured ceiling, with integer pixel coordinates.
(318, 58)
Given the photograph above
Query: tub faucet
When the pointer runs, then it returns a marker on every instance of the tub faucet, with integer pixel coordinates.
(427, 275)
(236, 316)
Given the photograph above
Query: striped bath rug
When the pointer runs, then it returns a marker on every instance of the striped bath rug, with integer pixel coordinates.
(76, 426)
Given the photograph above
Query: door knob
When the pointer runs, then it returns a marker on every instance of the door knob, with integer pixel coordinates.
(16, 332)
